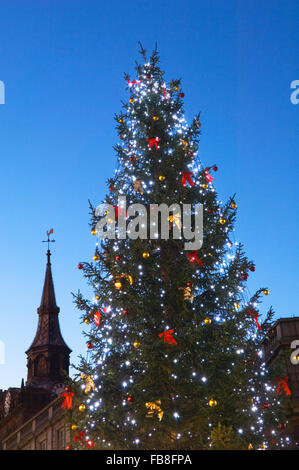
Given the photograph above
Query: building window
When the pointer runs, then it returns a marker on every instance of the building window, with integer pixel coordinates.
(60, 441)
(43, 445)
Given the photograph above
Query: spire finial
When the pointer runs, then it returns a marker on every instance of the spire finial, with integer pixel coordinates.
(49, 241)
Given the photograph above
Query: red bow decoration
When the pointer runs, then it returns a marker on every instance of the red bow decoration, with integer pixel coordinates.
(97, 318)
(165, 94)
(80, 436)
(209, 178)
(68, 400)
(167, 337)
(255, 315)
(186, 176)
(282, 385)
(153, 143)
(193, 257)
(133, 82)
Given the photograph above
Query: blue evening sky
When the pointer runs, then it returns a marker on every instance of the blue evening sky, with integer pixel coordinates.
(62, 62)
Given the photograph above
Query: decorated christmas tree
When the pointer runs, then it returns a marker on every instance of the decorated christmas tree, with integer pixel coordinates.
(173, 337)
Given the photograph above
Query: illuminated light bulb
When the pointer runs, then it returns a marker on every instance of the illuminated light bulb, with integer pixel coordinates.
(212, 402)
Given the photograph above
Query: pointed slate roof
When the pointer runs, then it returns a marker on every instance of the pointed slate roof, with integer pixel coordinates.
(48, 330)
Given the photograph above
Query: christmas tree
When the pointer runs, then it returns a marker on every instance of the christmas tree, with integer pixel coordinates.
(173, 338)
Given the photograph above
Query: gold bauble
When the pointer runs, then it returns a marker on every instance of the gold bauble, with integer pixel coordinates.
(222, 221)
(212, 402)
(131, 100)
(136, 344)
(162, 178)
(155, 118)
(236, 305)
(145, 254)
(87, 321)
(82, 407)
(234, 205)
(266, 292)
(95, 257)
(117, 284)
(121, 121)
(207, 321)
(74, 427)
(204, 186)
(176, 88)
(97, 297)
(93, 232)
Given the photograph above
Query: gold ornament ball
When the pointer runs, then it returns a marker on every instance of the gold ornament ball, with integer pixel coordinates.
(207, 321)
(93, 232)
(145, 254)
(212, 402)
(117, 284)
(237, 305)
(131, 100)
(176, 88)
(121, 121)
(136, 344)
(161, 178)
(82, 407)
(222, 221)
(234, 205)
(87, 321)
(97, 297)
(95, 258)
(266, 292)
(74, 427)
(204, 186)
(155, 118)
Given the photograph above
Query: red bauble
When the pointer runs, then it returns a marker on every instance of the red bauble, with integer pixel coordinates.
(67, 389)
(118, 257)
(245, 276)
(281, 426)
(111, 189)
(90, 443)
(181, 95)
(126, 311)
(130, 399)
(68, 448)
(80, 266)
(215, 167)
(252, 268)
(191, 154)
(148, 77)
(131, 159)
(266, 405)
(189, 284)
(89, 345)
(121, 137)
(211, 211)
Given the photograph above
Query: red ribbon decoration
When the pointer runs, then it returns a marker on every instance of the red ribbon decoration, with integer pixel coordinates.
(68, 400)
(80, 436)
(209, 178)
(153, 143)
(255, 315)
(119, 210)
(97, 318)
(133, 82)
(186, 176)
(193, 257)
(167, 337)
(282, 385)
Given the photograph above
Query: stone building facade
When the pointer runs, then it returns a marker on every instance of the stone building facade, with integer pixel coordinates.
(31, 416)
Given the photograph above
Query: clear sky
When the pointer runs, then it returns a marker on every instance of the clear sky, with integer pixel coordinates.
(62, 62)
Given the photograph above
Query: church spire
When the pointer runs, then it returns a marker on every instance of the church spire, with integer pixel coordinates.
(48, 355)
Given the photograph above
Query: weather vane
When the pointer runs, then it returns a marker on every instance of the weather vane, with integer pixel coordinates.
(49, 241)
